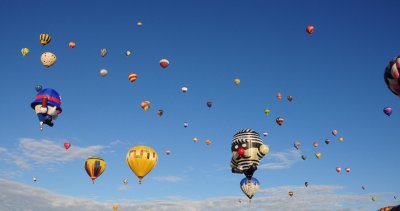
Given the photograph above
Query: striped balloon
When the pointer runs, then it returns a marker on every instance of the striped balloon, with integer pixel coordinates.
(94, 167)
(132, 77)
(392, 75)
(44, 39)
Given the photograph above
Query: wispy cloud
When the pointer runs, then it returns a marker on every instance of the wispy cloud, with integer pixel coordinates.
(317, 197)
(168, 178)
(281, 160)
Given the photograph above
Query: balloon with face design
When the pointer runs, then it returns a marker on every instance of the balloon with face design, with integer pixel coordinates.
(47, 106)
(247, 151)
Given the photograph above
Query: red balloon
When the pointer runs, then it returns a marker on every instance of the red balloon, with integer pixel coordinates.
(310, 29)
(240, 151)
(67, 145)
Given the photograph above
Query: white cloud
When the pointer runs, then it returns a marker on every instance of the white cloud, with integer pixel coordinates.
(281, 160)
(168, 178)
(2, 149)
(317, 197)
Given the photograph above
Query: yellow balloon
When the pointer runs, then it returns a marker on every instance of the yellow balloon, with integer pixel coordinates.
(318, 155)
(341, 139)
(94, 167)
(141, 160)
(24, 51)
(237, 81)
(115, 207)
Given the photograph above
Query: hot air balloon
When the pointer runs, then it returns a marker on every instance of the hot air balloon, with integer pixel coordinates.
(125, 181)
(195, 139)
(279, 96)
(279, 121)
(373, 198)
(341, 139)
(347, 169)
(164, 63)
(38, 88)
(103, 52)
(291, 193)
(47, 106)
(265, 134)
(209, 104)
(139, 24)
(334, 132)
(310, 29)
(363, 187)
(71, 44)
(247, 150)
(115, 207)
(141, 160)
(267, 111)
(160, 112)
(392, 76)
(236, 81)
(249, 186)
(184, 89)
(303, 157)
(297, 144)
(395, 197)
(67, 145)
(387, 111)
(44, 39)
(48, 59)
(327, 141)
(306, 184)
(185, 124)
(167, 152)
(318, 155)
(24, 51)
(145, 105)
(94, 167)
(208, 141)
(132, 77)
(290, 98)
(34, 179)
(128, 53)
(338, 169)
(103, 72)
(315, 144)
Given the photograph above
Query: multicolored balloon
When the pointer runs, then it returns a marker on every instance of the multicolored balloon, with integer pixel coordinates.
(279, 121)
(164, 63)
(94, 167)
(392, 76)
(145, 105)
(132, 77)
(249, 186)
(387, 111)
(47, 106)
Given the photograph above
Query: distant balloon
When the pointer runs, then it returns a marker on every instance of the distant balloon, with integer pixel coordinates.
(132, 77)
(341, 139)
(347, 169)
(128, 53)
(160, 112)
(139, 24)
(327, 141)
(249, 186)
(392, 76)
(164, 63)
(44, 39)
(184, 89)
(185, 124)
(265, 134)
(208, 141)
(279, 121)
(103, 52)
(237, 81)
(303, 157)
(67, 145)
(167, 152)
(209, 104)
(48, 59)
(387, 111)
(195, 139)
(373, 198)
(310, 29)
(279, 96)
(38, 88)
(363, 187)
(71, 44)
(315, 144)
(115, 207)
(24, 51)
(334, 132)
(290, 98)
(291, 193)
(306, 184)
(318, 155)
(125, 181)
(34, 179)
(103, 72)
(338, 169)
(94, 167)
(145, 105)
(297, 144)
(267, 111)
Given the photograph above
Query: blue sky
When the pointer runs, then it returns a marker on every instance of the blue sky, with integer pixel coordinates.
(335, 76)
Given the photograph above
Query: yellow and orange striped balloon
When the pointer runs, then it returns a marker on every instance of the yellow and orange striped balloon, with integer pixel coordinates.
(141, 160)
(132, 77)
(94, 167)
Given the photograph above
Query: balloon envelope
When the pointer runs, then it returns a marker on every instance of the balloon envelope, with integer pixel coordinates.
(48, 59)
(310, 29)
(94, 167)
(24, 51)
(297, 144)
(38, 88)
(387, 111)
(164, 63)
(249, 186)
(67, 145)
(141, 160)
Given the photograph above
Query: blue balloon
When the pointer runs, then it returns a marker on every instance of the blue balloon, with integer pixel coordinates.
(249, 186)
(38, 88)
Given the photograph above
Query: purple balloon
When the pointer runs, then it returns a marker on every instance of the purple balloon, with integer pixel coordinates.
(185, 124)
(387, 111)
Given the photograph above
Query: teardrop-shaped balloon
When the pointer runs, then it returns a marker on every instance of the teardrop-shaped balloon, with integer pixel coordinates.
(387, 111)
(249, 186)
(164, 63)
(94, 167)
(297, 145)
(327, 141)
(303, 157)
(67, 145)
(24, 51)
(318, 155)
(279, 121)
(141, 160)
(160, 112)
(291, 193)
(306, 184)
(338, 169)
(38, 88)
